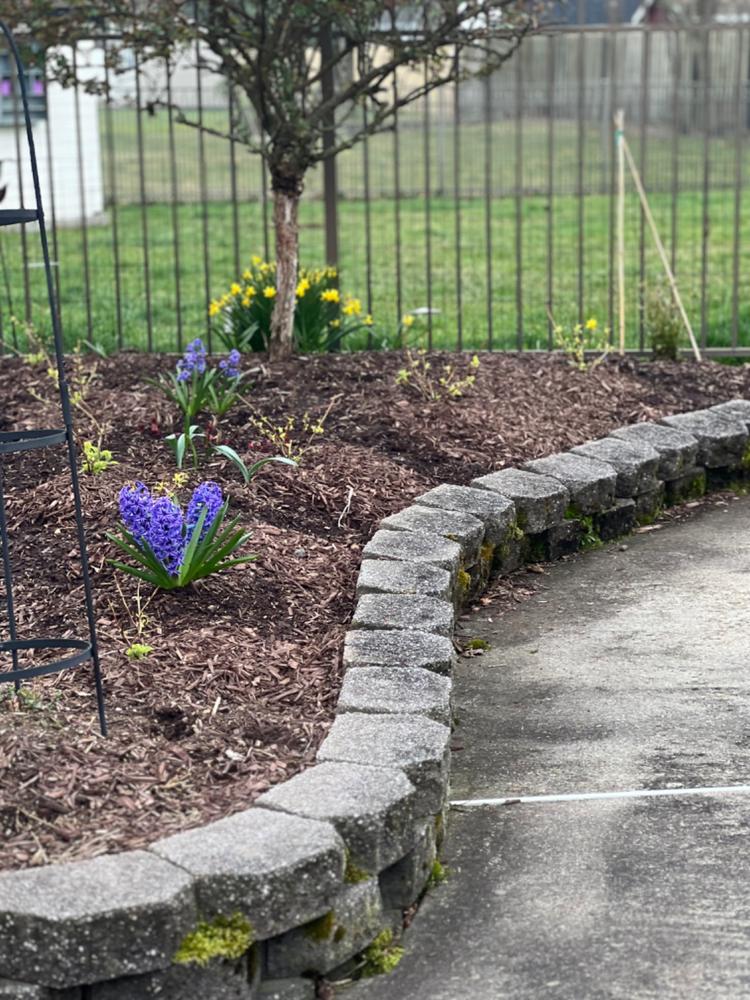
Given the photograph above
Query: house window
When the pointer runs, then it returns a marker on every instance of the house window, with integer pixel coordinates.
(10, 98)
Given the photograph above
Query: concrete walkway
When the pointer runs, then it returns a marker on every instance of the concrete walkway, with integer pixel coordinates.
(629, 672)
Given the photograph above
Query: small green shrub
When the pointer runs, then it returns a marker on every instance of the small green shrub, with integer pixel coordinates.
(663, 324)
(96, 460)
(582, 339)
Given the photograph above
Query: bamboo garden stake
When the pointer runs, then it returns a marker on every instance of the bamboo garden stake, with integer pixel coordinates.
(625, 154)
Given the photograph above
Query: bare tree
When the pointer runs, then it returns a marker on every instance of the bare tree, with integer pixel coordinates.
(304, 67)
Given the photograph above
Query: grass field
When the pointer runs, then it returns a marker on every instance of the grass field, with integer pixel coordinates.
(491, 314)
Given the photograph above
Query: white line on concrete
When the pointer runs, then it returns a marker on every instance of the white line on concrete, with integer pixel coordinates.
(635, 793)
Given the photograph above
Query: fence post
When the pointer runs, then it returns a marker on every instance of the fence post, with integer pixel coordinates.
(330, 179)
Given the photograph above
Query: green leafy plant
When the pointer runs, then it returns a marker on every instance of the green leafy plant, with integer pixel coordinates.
(138, 651)
(323, 318)
(663, 323)
(433, 383)
(580, 341)
(290, 437)
(96, 460)
(171, 549)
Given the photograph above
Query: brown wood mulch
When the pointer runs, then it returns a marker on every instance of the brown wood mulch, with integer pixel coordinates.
(245, 672)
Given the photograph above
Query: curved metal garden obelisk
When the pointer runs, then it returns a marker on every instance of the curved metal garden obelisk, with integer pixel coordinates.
(67, 652)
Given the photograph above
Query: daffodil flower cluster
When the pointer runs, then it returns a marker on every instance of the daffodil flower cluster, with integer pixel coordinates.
(322, 317)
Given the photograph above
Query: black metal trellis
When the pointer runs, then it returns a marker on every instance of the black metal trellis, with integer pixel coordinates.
(70, 652)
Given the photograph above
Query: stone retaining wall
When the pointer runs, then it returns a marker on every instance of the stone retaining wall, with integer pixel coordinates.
(300, 883)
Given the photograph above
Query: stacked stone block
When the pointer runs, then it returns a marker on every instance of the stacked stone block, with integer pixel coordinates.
(683, 478)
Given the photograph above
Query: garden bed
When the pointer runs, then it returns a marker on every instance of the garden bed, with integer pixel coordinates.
(243, 678)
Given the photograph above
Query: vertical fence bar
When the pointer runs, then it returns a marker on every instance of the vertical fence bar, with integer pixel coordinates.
(143, 203)
(233, 183)
(488, 201)
(368, 217)
(706, 47)
(675, 171)
(52, 208)
(330, 178)
(203, 180)
(642, 158)
(519, 202)
(397, 203)
(581, 113)
(82, 199)
(739, 125)
(109, 138)
(457, 203)
(427, 209)
(175, 206)
(550, 190)
(264, 204)
(24, 235)
(611, 108)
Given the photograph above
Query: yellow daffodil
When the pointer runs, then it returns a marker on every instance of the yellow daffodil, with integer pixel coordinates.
(335, 323)
(256, 261)
(330, 295)
(235, 288)
(407, 320)
(302, 287)
(214, 308)
(247, 274)
(353, 307)
(591, 324)
(269, 291)
(368, 320)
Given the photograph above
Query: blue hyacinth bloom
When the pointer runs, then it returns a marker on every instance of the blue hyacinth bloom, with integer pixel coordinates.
(208, 495)
(230, 366)
(194, 360)
(165, 536)
(135, 509)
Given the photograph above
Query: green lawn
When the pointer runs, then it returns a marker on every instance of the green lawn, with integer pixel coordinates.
(97, 295)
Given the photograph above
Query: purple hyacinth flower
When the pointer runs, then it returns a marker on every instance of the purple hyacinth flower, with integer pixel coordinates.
(208, 495)
(135, 509)
(193, 360)
(230, 365)
(165, 535)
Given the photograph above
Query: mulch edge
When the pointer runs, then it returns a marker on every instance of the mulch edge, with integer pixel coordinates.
(375, 818)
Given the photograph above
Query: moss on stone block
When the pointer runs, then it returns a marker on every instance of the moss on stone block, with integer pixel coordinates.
(382, 956)
(321, 929)
(224, 937)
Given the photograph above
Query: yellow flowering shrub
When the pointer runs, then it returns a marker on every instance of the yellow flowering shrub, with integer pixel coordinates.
(323, 317)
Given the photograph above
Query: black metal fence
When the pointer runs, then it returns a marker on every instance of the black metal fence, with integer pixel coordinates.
(488, 208)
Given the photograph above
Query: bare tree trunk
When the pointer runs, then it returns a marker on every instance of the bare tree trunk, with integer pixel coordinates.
(286, 225)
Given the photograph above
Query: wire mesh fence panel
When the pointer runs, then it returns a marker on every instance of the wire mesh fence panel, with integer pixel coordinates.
(487, 210)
